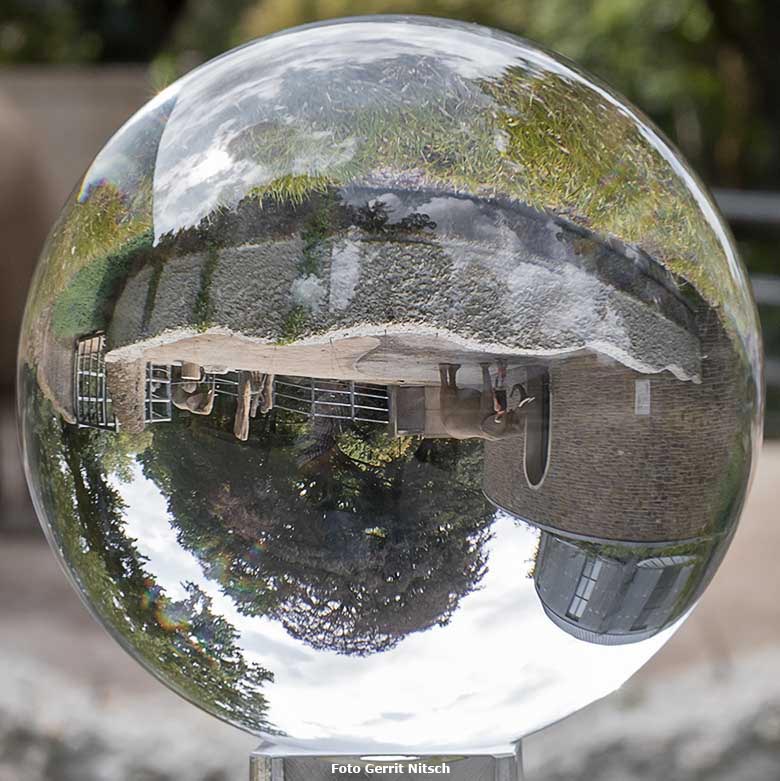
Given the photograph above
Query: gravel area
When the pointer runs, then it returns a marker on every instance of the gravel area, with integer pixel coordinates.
(700, 725)
(692, 726)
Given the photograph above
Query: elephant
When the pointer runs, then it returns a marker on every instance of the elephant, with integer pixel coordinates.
(468, 412)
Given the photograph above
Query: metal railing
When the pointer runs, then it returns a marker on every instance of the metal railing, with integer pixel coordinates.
(157, 398)
(94, 407)
(757, 209)
(90, 392)
(338, 399)
(752, 207)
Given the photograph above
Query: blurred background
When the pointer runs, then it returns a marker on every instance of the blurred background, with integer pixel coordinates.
(73, 707)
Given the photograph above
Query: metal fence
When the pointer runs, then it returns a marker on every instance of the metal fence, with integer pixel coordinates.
(753, 211)
(339, 399)
(94, 407)
(310, 397)
(92, 400)
(157, 398)
(749, 207)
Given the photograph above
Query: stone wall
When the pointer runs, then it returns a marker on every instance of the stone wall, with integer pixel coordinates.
(614, 474)
(495, 297)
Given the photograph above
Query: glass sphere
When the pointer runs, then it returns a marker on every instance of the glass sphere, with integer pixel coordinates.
(390, 385)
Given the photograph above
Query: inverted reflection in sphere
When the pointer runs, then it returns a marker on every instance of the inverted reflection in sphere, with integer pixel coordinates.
(384, 377)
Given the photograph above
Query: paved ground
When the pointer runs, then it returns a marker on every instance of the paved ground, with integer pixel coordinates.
(74, 707)
(54, 358)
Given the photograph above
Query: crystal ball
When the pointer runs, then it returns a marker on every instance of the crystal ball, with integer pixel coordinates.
(390, 385)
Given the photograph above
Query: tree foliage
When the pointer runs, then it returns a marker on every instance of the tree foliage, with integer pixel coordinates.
(68, 31)
(194, 650)
(352, 540)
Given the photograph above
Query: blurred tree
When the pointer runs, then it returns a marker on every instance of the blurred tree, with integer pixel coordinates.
(116, 451)
(705, 70)
(208, 28)
(66, 31)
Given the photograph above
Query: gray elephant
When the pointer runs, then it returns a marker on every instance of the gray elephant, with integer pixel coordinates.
(486, 414)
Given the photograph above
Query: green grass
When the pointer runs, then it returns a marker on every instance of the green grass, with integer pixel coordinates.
(588, 160)
(542, 140)
(294, 326)
(102, 229)
(82, 306)
(292, 188)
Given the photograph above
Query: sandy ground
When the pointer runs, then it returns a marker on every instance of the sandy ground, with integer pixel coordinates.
(65, 685)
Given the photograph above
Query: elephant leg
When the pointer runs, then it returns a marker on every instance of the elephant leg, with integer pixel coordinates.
(486, 398)
(268, 394)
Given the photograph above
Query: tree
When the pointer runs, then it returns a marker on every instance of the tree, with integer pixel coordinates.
(195, 651)
(350, 554)
(85, 30)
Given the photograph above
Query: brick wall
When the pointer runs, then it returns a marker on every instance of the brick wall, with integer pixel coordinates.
(617, 475)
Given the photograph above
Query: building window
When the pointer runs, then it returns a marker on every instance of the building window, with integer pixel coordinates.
(657, 597)
(587, 582)
(662, 562)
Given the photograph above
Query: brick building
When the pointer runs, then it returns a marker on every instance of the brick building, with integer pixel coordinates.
(636, 481)
(634, 457)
